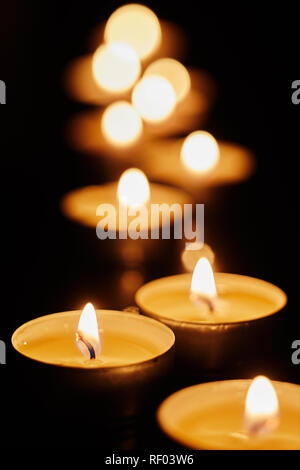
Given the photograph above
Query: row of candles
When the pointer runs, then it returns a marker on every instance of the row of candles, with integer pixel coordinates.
(208, 321)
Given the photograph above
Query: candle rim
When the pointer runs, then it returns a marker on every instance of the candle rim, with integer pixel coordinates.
(171, 429)
(215, 178)
(175, 322)
(178, 196)
(70, 313)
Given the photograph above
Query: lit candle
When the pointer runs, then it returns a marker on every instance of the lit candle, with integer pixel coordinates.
(102, 354)
(164, 113)
(234, 415)
(115, 67)
(197, 162)
(131, 192)
(217, 318)
(134, 26)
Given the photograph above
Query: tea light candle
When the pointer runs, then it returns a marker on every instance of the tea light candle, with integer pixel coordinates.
(120, 339)
(99, 353)
(80, 82)
(198, 162)
(216, 415)
(217, 319)
(81, 204)
(134, 189)
(87, 131)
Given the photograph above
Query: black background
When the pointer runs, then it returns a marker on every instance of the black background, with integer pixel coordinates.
(253, 56)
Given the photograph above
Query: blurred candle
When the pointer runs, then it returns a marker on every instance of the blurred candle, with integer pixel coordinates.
(154, 97)
(81, 204)
(115, 66)
(173, 71)
(132, 193)
(121, 124)
(197, 162)
(136, 25)
(200, 152)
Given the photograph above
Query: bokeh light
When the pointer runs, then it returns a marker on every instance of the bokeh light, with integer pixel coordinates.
(200, 152)
(116, 66)
(133, 188)
(136, 25)
(174, 72)
(154, 98)
(121, 124)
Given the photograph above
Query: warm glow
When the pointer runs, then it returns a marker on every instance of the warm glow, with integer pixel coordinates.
(133, 188)
(154, 98)
(261, 409)
(121, 124)
(193, 252)
(200, 151)
(203, 287)
(116, 66)
(174, 72)
(136, 25)
(87, 335)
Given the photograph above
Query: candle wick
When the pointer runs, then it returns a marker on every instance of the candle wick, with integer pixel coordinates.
(199, 299)
(210, 304)
(88, 345)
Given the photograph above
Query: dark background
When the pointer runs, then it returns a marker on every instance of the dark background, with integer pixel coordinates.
(253, 56)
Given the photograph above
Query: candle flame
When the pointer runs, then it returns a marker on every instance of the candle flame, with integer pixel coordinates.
(154, 98)
(203, 286)
(174, 72)
(136, 25)
(200, 152)
(262, 408)
(133, 188)
(87, 334)
(121, 124)
(193, 252)
(115, 66)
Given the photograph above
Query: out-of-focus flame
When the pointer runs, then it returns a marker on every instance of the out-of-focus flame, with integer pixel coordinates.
(203, 286)
(116, 66)
(193, 252)
(136, 25)
(174, 72)
(133, 188)
(262, 408)
(87, 334)
(154, 98)
(200, 152)
(121, 124)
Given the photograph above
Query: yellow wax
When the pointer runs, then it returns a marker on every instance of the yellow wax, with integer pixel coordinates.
(81, 204)
(221, 427)
(125, 339)
(240, 298)
(163, 163)
(116, 350)
(210, 416)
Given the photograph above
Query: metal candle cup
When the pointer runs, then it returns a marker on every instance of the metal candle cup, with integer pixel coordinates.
(125, 381)
(219, 344)
(210, 416)
(80, 206)
(163, 163)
